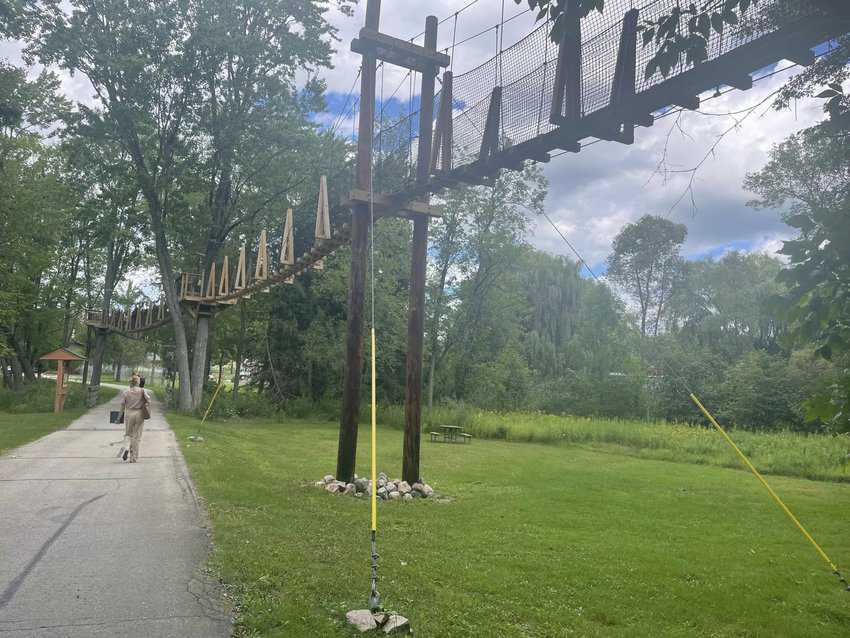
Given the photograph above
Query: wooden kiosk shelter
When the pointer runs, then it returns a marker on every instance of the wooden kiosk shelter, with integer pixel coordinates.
(60, 356)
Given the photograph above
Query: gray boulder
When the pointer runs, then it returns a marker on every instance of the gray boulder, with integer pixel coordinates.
(361, 619)
(396, 624)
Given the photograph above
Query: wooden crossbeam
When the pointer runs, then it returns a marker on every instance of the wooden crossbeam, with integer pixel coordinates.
(744, 82)
(387, 206)
(398, 52)
(800, 55)
(566, 92)
(690, 102)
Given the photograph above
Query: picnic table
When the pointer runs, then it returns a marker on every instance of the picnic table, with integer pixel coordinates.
(451, 434)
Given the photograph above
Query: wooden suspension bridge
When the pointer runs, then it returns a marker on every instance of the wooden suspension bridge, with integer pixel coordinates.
(530, 99)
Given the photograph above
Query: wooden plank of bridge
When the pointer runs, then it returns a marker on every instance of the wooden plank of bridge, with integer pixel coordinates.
(623, 88)
(323, 219)
(566, 92)
(490, 138)
(261, 270)
(211, 290)
(241, 281)
(349, 419)
(416, 303)
(441, 150)
(224, 282)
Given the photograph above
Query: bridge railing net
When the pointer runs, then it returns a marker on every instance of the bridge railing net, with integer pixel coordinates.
(526, 73)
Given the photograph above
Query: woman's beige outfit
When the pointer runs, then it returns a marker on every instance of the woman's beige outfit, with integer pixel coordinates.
(132, 401)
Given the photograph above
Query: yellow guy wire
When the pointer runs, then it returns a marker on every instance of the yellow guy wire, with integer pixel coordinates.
(374, 490)
(767, 486)
(212, 400)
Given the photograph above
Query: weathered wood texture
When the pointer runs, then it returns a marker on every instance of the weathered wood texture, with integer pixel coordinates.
(416, 302)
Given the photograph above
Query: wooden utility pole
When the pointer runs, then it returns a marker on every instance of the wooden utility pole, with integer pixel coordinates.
(347, 450)
(416, 303)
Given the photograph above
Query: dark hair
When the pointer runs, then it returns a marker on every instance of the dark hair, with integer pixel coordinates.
(141, 382)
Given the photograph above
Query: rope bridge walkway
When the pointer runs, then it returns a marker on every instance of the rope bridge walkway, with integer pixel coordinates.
(537, 96)
(527, 100)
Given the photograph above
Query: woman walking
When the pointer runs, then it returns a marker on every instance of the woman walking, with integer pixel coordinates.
(135, 403)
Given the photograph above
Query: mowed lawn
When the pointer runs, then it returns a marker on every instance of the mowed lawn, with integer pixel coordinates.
(536, 540)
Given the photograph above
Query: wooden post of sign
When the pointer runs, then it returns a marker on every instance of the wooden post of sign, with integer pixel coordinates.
(416, 303)
(349, 420)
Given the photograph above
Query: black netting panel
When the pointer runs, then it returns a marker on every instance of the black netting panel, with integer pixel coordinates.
(526, 72)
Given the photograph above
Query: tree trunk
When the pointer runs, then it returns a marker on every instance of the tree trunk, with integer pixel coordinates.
(69, 298)
(17, 374)
(25, 363)
(199, 360)
(7, 374)
(243, 321)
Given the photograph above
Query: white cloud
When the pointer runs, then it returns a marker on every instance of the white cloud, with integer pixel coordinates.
(608, 185)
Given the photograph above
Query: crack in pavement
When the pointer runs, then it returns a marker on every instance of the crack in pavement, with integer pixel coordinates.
(15, 585)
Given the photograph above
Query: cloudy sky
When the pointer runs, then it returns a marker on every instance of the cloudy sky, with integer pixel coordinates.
(594, 193)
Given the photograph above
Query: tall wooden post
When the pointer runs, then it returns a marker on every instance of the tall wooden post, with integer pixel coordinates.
(416, 303)
(347, 450)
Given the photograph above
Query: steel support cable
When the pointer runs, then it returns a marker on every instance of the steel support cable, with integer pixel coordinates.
(448, 17)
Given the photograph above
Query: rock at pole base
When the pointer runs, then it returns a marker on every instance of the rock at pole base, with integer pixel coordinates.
(378, 622)
(361, 619)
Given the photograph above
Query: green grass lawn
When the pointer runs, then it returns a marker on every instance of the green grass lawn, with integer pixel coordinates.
(537, 540)
(28, 415)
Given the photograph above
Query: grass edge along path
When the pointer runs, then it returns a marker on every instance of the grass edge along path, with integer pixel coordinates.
(17, 429)
(537, 540)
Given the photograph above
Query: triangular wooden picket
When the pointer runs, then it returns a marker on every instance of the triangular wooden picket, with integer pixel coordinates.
(287, 244)
(261, 270)
(224, 283)
(241, 271)
(211, 281)
(323, 212)
(323, 219)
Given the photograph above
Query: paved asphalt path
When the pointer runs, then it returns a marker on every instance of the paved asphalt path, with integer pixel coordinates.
(91, 546)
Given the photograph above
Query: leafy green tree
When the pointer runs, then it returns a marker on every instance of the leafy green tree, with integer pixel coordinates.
(725, 304)
(808, 177)
(35, 206)
(645, 263)
(185, 87)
